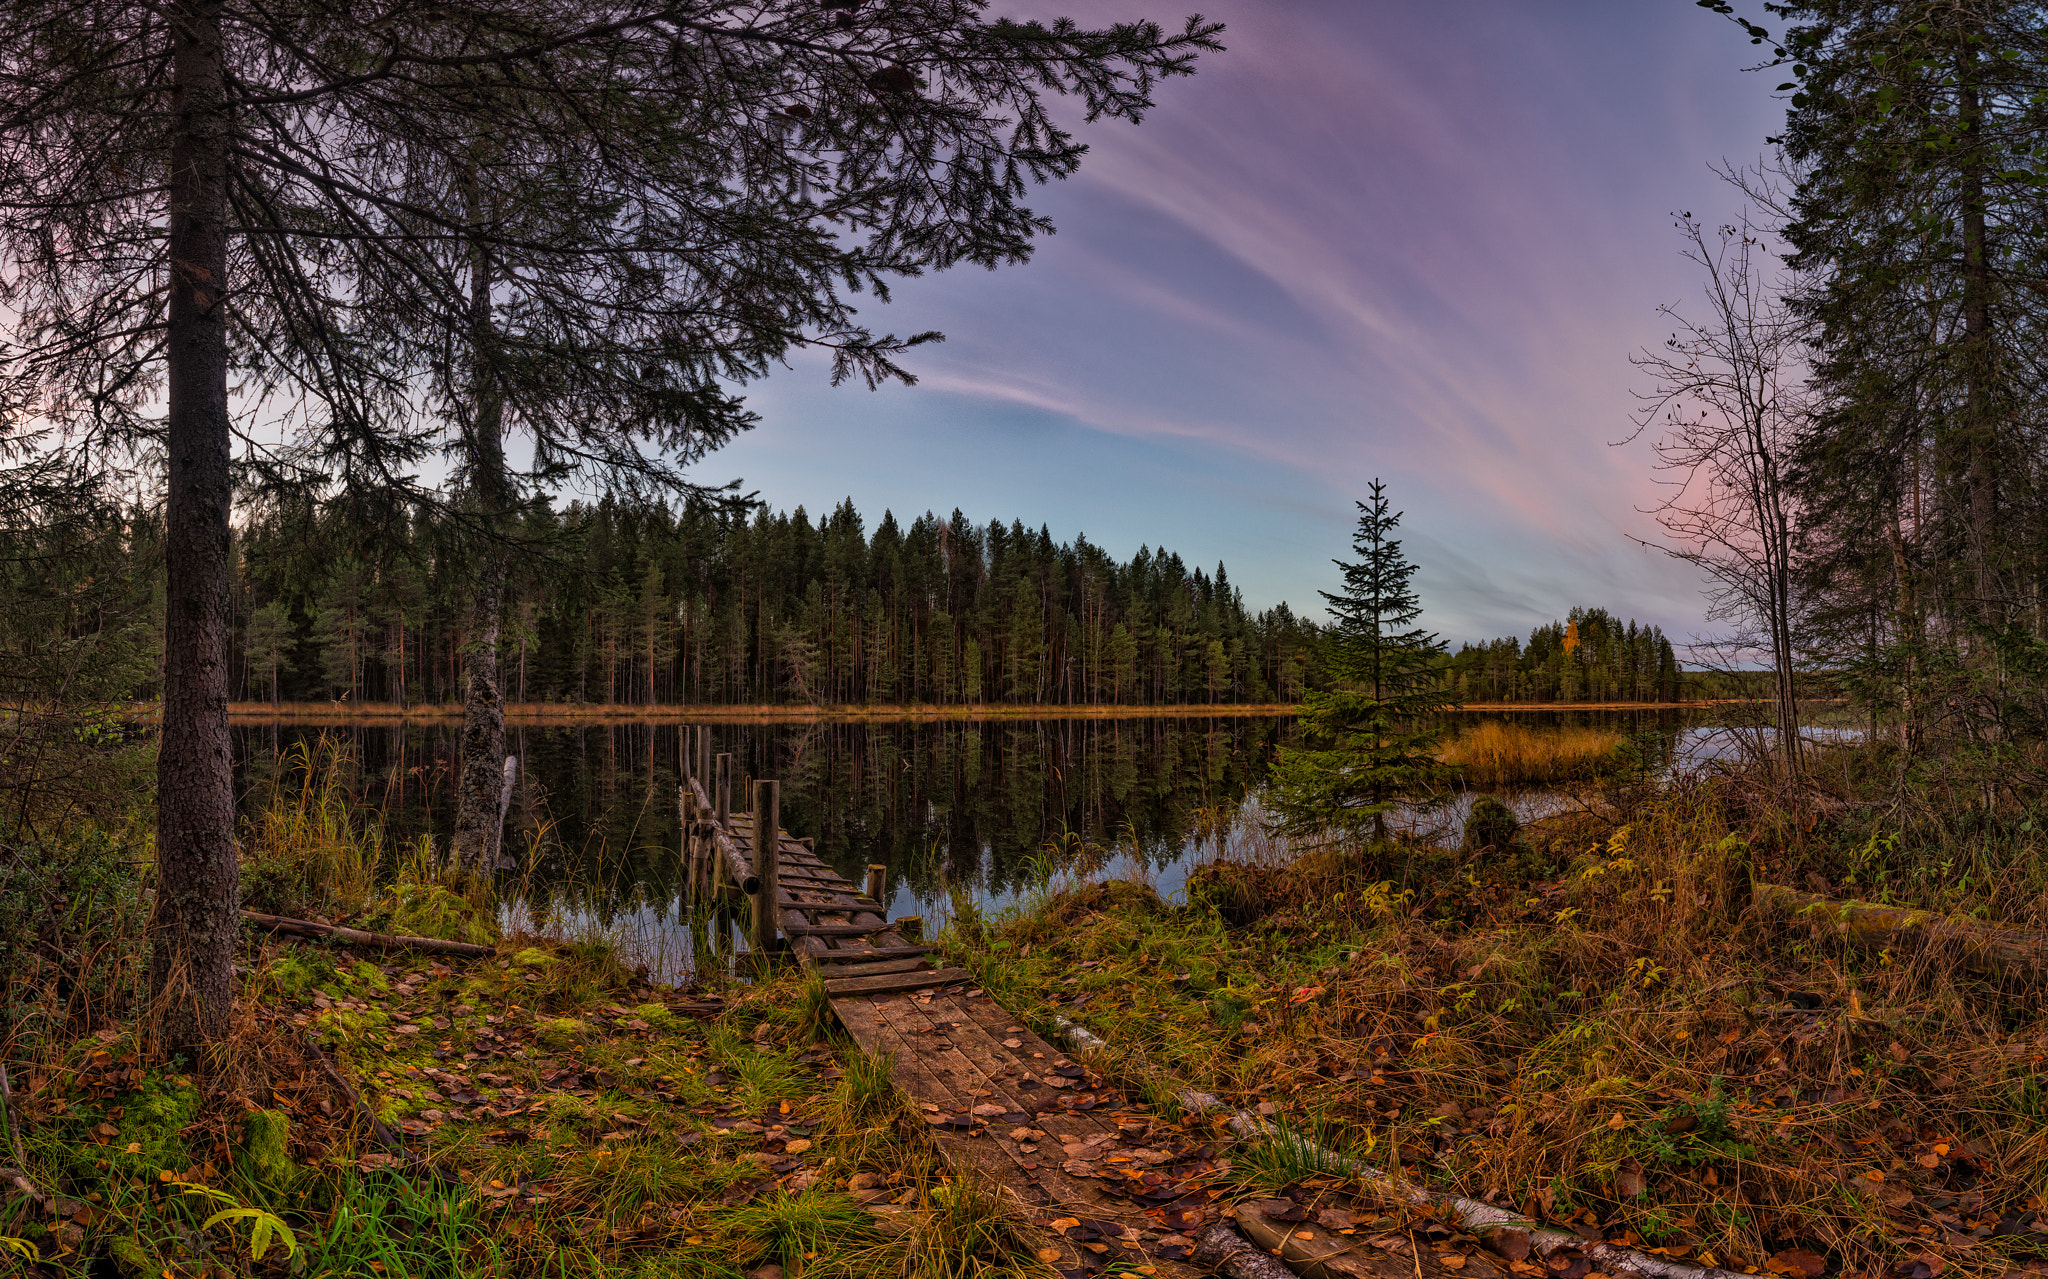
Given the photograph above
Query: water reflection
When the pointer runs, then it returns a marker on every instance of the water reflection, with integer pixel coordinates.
(943, 805)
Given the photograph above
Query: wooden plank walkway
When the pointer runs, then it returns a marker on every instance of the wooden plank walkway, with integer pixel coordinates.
(1106, 1180)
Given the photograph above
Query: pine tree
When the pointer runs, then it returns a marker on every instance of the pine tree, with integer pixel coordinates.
(1368, 743)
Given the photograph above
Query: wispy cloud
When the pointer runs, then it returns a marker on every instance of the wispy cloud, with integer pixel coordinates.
(1371, 239)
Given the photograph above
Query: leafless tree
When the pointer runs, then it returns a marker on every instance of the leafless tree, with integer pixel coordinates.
(1727, 399)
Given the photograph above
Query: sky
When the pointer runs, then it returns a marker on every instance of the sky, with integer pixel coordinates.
(1415, 240)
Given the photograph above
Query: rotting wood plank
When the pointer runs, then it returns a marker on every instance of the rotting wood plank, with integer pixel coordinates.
(1004, 1074)
(840, 986)
(935, 1063)
(1055, 1190)
(954, 1083)
(1033, 1058)
(850, 955)
(834, 930)
(873, 968)
(910, 1071)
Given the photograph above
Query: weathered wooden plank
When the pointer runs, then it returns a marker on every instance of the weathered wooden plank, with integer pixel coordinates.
(873, 968)
(837, 987)
(834, 930)
(851, 955)
(1037, 1177)
(1006, 1069)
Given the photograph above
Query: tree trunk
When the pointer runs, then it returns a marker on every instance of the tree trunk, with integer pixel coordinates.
(478, 827)
(1981, 428)
(195, 921)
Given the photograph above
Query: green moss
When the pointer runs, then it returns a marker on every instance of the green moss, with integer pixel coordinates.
(265, 1157)
(532, 957)
(370, 974)
(350, 1025)
(657, 1015)
(561, 1032)
(132, 1259)
(153, 1120)
(430, 910)
(299, 970)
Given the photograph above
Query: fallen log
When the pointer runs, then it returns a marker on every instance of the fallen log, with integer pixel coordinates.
(1225, 1251)
(1981, 946)
(1314, 1253)
(357, 937)
(1510, 1234)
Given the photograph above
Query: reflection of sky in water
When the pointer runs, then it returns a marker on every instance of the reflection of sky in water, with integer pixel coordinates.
(942, 805)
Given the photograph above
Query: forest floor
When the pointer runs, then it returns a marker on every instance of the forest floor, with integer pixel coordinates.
(1600, 1027)
(1599, 1024)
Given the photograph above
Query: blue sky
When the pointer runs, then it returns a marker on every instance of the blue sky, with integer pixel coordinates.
(1416, 239)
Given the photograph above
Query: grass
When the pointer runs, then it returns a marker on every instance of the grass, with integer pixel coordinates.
(586, 1125)
(1617, 1042)
(574, 1118)
(1500, 753)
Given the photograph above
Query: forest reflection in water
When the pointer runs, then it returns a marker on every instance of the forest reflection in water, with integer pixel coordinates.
(966, 804)
(982, 808)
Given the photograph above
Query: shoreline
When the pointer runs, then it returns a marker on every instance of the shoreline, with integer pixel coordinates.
(684, 713)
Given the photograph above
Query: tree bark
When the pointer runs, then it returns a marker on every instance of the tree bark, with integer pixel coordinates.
(479, 830)
(1981, 429)
(195, 921)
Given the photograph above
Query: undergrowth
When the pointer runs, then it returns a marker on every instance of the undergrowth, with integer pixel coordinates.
(1600, 1026)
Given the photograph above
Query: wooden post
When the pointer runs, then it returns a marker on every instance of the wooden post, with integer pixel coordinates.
(767, 900)
(877, 880)
(686, 813)
(722, 798)
(703, 773)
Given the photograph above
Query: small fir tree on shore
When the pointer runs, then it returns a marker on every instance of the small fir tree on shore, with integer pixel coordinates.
(1366, 746)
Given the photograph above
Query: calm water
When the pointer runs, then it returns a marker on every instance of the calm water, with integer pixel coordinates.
(942, 805)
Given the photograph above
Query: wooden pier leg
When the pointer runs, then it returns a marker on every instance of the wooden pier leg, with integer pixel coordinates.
(686, 813)
(878, 879)
(723, 796)
(767, 865)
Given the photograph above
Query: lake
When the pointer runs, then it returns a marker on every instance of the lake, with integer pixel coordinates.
(946, 806)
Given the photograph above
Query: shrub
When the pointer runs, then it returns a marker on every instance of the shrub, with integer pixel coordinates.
(70, 931)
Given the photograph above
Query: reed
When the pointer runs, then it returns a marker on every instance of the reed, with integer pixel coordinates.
(1499, 753)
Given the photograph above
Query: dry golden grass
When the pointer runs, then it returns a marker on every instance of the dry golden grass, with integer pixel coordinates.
(1627, 1042)
(1498, 753)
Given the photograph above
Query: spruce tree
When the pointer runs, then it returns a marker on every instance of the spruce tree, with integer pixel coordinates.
(1367, 741)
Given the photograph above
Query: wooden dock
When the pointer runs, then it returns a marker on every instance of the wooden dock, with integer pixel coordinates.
(1105, 1179)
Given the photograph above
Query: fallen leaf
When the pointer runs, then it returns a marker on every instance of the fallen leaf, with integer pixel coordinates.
(1797, 1263)
(796, 1147)
(1511, 1242)
(1629, 1179)
(1617, 1123)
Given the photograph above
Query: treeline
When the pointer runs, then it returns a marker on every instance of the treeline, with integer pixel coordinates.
(1591, 656)
(621, 603)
